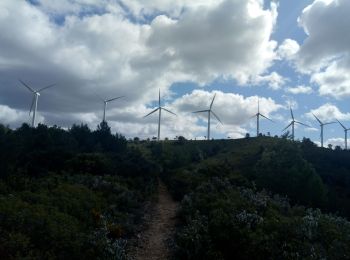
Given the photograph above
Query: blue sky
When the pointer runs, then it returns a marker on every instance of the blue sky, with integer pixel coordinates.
(189, 50)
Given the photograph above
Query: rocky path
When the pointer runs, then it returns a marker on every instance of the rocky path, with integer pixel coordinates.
(155, 240)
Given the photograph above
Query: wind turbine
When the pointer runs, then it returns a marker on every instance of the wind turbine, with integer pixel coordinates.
(346, 134)
(36, 94)
(105, 102)
(209, 111)
(257, 115)
(293, 123)
(159, 108)
(322, 125)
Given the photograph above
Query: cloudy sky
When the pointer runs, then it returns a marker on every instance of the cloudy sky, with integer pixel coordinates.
(288, 53)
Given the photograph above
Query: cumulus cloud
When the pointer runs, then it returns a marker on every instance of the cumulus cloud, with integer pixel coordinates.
(335, 79)
(325, 53)
(299, 90)
(89, 46)
(14, 118)
(328, 112)
(338, 141)
(233, 109)
(288, 49)
(205, 43)
(274, 80)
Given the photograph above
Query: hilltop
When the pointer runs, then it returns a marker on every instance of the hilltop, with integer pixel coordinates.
(261, 198)
(87, 192)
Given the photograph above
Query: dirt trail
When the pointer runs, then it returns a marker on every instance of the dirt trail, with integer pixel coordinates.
(154, 244)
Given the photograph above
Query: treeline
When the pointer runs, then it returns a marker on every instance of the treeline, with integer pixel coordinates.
(35, 151)
(258, 198)
(73, 194)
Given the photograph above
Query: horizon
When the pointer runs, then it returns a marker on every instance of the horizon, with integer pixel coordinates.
(287, 54)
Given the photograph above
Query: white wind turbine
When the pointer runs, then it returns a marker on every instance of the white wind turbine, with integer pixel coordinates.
(292, 123)
(159, 108)
(346, 134)
(209, 111)
(322, 125)
(36, 94)
(105, 102)
(257, 115)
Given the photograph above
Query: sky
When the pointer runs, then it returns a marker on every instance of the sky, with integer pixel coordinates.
(284, 53)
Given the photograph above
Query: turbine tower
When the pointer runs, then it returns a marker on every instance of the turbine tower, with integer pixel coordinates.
(36, 94)
(159, 108)
(209, 111)
(293, 123)
(257, 115)
(322, 125)
(346, 134)
(105, 102)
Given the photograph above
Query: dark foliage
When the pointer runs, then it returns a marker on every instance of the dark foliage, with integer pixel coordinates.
(70, 194)
(253, 198)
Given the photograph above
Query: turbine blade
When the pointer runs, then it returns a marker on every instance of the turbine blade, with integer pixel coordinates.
(31, 106)
(159, 99)
(169, 111)
(317, 119)
(200, 111)
(329, 123)
(284, 129)
(49, 86)
(253, 116)
(211, 104)
(99, 97)
(341, 124)
(151, 112)
(291, 113)
(24, 84)
(216, 116)
(109, 100)
(300, 123)
(267, 118)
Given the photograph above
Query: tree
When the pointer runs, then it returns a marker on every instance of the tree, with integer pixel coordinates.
(283, 170)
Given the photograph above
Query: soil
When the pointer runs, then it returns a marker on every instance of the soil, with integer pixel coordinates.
(155, 242)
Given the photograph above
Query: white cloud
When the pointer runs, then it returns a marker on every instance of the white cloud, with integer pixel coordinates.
(335, 79)
(274, 80)
(98, 47)
(328, 112)
(336, 142)
(206, 43)
(15, 118)
(232, 109)
(300, 90)
(311, 129)
(288, 49)
(325, 54)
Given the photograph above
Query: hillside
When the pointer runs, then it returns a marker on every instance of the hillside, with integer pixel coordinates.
(258, 198)
(82, 193)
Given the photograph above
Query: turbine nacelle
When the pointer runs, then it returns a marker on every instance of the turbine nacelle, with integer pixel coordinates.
(36, 94)
(346, 134)
(209, 111)
(322, 125)
(105, 102)
(159, 108)
(257, 115)
(292, 123)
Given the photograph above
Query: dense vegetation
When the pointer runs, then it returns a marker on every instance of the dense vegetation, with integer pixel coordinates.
(70, 194)
(80, 193)
(257, 199)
